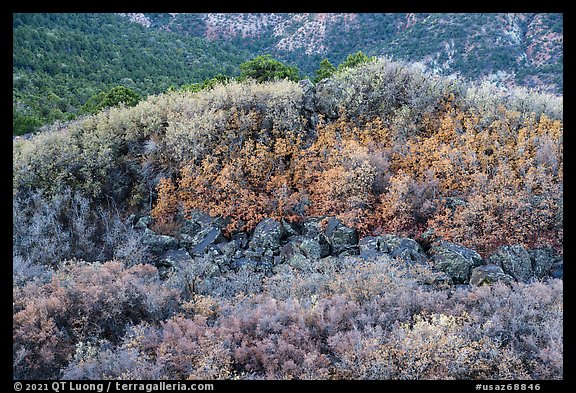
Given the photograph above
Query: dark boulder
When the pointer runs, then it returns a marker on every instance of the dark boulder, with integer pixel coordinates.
(403, 248)
(211, 238)
(340, 237)
(177, 262)
(241, 239)
(174, 258)
(488, 274)
(200, 231)
(290, 229)
(253, 264)
(300, 251)
(158, 243)
(557, 270)
(311, 229)
(542, 261)
(143, 222)
(326, 99)
(267, 235)
(455, 260)
(514, 260)
(308, 90)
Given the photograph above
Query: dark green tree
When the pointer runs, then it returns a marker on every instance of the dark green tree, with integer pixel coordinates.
(264, 68)
(325, 70)
(116, 96)
(355, 59)
(24, 123)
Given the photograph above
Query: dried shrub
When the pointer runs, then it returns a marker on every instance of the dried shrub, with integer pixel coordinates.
(82, 303)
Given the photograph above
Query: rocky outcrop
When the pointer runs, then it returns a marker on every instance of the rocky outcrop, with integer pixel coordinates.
(340, 237)
(299, 251)
(326, 98)
(403, 248)
(267, 235)
(159, 243)
(542, 261)
(311, 229)
(275, 245)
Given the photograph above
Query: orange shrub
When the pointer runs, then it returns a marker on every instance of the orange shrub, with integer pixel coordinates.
(377, 178)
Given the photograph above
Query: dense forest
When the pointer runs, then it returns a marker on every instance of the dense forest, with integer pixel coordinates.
(523, 49)
(61, 61)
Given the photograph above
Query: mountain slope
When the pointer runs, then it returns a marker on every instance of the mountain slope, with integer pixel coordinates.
(514, 49)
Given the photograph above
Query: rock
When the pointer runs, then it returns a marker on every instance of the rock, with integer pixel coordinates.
(455, 260)
(255, 254)
(198, 224)
(198, 236)
(369, 243)
(487, 274)
(557, 270)
(340, 237)
(249, 263)
(308, 90)
(174, 258)
(241, 238)
(289, 229)
(302, 245)
(300, 251)
(228, 249)
(267, 234)
(143, 222)
(173, 261)
(403, 248)
(243, 262)
(542, 260)
(198, 220)
(326, 98)
(299, 261)
(131, 220)
(158, 243)
(311, 229)
(438, 279)
(514, 260)
(209, 239)
(187, 242)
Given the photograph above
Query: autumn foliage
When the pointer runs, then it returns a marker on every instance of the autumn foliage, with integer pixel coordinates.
(479, 185)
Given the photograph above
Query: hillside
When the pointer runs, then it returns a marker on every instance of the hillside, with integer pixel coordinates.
(60, 61)
(63, 61)
(513, 49)
(384, 223)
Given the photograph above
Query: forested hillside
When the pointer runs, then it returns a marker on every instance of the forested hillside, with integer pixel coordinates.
(63, 64)
(61, 61)
(515, 49)
(381, 222)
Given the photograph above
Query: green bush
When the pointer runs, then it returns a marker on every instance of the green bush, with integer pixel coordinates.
(264, 68)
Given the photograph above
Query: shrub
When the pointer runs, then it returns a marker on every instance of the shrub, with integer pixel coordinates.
(82, 303)
(49, 229)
